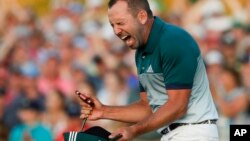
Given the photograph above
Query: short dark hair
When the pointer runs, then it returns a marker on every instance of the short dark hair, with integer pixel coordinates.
(135, 6)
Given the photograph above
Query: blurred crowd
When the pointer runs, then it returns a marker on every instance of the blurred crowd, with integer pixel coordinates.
(45, 58)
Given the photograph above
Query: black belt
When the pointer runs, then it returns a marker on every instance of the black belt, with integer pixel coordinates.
(175, 125)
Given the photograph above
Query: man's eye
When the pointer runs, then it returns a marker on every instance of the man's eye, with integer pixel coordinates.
(120, 23)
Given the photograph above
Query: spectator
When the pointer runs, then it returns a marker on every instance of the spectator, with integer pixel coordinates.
(30, 129)
(131, 81)
(229, 50)
(245, 73)
(230, 100)
(12, 103)
(73, 123)
(3, 78)
(214, 62)
(114, 89)
(2, 105)
(55, 116)
(66, 84)
(114, 92)
(49, 78)
(3, 128)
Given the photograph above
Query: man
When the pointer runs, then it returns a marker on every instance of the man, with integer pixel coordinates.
(175, 96)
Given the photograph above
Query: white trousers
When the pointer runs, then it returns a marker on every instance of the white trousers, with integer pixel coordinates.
(199, 132)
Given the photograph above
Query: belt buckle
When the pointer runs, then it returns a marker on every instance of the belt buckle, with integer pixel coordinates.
(209, 122)
(168, 129)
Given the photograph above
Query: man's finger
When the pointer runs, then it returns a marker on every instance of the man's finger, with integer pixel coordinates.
(87, 108)
(84, 116)
(113, 135)
(86, 112)
(84, 104)
(87, 100)
(116, 137)
(84, 95)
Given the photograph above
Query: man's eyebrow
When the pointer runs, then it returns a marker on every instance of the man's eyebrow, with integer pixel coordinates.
(117, 21)
(120, 20)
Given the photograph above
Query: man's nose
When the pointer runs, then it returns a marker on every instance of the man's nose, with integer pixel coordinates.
(117, 31)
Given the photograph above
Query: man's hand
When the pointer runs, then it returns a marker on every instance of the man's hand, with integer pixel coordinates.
(127, 134)
(92, 111)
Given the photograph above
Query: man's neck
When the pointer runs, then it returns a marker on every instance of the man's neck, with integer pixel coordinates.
(148, 29)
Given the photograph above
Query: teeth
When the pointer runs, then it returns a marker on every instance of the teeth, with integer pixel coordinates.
(124, 37)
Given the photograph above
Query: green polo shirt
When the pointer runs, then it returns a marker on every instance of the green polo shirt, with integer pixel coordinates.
(170, 60)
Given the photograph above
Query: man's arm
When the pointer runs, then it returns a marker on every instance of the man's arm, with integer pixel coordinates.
(132, 113)
(173, 109)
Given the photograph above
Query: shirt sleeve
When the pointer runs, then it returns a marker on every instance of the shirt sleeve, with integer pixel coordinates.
(179, 58)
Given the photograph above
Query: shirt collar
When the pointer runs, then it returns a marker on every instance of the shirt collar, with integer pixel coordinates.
(154, 35)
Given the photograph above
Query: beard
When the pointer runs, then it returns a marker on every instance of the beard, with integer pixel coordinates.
(137, 40)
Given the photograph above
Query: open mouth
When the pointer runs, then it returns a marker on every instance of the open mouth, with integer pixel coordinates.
(127, 39)
(124, 38)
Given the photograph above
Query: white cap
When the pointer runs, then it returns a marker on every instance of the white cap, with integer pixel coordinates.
(64, 25)
(218, 23)
(94, 3)
(90, 27)
(211, 7)
(213, 57)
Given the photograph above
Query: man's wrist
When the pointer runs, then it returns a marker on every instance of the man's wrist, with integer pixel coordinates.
(136, 130)
(104, 111)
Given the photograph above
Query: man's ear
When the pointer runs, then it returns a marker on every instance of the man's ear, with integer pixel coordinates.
(142, 16)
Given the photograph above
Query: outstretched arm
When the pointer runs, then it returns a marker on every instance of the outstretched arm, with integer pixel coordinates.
(132, 113)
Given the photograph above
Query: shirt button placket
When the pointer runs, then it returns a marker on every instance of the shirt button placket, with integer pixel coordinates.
(143, 58)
